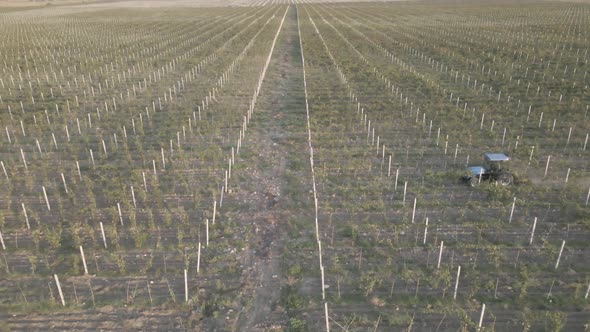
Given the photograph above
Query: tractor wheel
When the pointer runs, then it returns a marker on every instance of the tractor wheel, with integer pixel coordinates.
(473, 181)
(505, 179)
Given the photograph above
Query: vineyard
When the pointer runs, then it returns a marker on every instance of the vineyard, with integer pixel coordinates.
(294, 166)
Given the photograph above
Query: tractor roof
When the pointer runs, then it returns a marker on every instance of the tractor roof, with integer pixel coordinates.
(496, 157)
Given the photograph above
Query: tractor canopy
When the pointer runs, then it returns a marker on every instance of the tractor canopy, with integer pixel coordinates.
(496, 157)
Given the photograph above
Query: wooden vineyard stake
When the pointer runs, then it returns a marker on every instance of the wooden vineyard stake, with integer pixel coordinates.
(78, 168)
(8, 134)
(206, 232)
(149, 292)
(225, 180)
(414, 210)
(26, 215)
(457, 282)
(388, 168)
(483, 310)
(440, 254)
(198, 257)
(185, 286)
(326, 317)
(550, 289)
(120, 214)
(63, 179)
(229, 168)
(533, 231)
(83, 260)
(405, 190)
(39, 147)
(92, 158)
(547, 166)
(569, 136)
(2, 241)
(481, 123)
(133, 197)
(496, 288)
(512, 210)
(4, 170)
(559, 256)
(323, 283)
(61, 295)
(425, 231)
(46, 199)
(104, 238)
(104, 147)
(214, 210)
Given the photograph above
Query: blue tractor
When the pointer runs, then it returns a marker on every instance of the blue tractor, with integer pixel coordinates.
(492, 170)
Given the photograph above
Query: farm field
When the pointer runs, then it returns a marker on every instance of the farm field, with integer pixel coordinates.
(294, 166)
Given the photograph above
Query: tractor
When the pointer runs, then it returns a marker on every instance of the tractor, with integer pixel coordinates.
(491, 170)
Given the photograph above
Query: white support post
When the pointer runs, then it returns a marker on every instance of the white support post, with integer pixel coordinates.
(4, 170)
(26, 215)
(4, 246)
(389, 167)
(214, 210)
(199, 257)
(326, 316)
(22, 154)
(414, 210)
(120, 214)
(457, 282)
(104, 238)
(92, 157)
(559, 256)
(425, 231)
(185, 286)
(440, 254)
(206, 232)
(133, 197)
(533, 231)
(63, 179)
(405, 190)
(46, 199)
(84, 260)
(483, 310)
(61, 295)
(512, 210)
(323, 282)
(79, 172)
